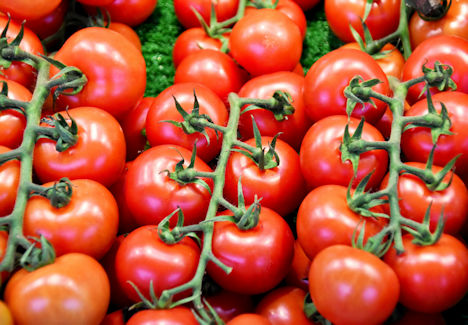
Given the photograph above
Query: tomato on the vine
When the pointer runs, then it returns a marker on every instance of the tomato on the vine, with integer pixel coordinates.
(25, 9)
(228, 304)
(184, 10)
(298, 275)
(249, 318)
(9, 181)
(129, 12)
(175, 316)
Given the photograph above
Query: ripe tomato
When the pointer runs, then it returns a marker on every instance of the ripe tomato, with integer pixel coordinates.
(306, 4)
(249, 318)
(3, 246)
(411, 317)
(74, 287)
(163, 108)
(224, 9)
(229, 304)
(416, 143)
(129, 12)
(298, 275)
(281, 188)
(24, 9)
(455, 22)
(175, 316)
(352, 286)
(324, 219)
(259, 257)
(87, 224)
(284, 305)
(50, 23)
(99, 153)
(294, 126)
(151, 195)
(126, 31)
(383, 18)
(143, 257)
(320, 154)
(449, 50)
(213, 69)
(114, 318)
(266, 41)
(432, 278)
(114, 67)
(415, 197)
(327, 78)
(9, 181)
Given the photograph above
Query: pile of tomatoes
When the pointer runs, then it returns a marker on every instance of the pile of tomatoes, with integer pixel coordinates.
(296, 261)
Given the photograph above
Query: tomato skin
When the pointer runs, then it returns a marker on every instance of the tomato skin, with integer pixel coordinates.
(415, 197)
(320, 155)
(212, 68)
(114, 318)
(174, 316)
(298, 275)
(284, 306)
(249, 318)
(259, 257)
(99, 153)
(9, 181)
(87, 224)
(224, 9)
(295, 126)
(441, 268)
(130, 12)
(455, 22)
(324, 219)
(25, 10)
(50, 23)
(163, 108)
(330, 75)
(352, 286)
(306, 4)
(449, 50)
(143, 257)
(126, 31)
(383, 18)
(5, 314)
(3, 246)
(114, 67)
(281, 188)
(74, 277)
(229, 304)
(266, 41)
(411, 317)
(416, 143)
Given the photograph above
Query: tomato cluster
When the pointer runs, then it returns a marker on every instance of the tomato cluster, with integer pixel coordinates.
(252, 190)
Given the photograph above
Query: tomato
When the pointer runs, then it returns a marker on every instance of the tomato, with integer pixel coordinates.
(224, 9)
(24, 9)
(74, 287)
(129, 12)
(259, 257)
(114, 318)
(9, 181)
(416, 143)
(229, 304)
(164, 108)
(266, 41)
(87, 224)
(249, 318)
(50, 23)
(415, 197)
(114, 67)
(306, 4)
(126, 31)
(95, 2)
(383, 18)
(455, 22)
(324, 219)
(5, 314)
(284, 305)
(3, 274)
(320, 155)
(192, 40)
(133, 125)
(294, 126)
(12, 122)
(298, 275)
(212, 68)
(281, 188)
(411, 317)
(143, 257)
(19, 71)
(99, 153)
(432, 278)
(446, 49)
(174, 316)
(352, 286)
(330, 75)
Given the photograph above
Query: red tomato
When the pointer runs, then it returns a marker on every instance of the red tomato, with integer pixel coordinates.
(3, 246)
(224, 9)
(74, 287)
(163, 108)
(449, 50)
(284, 306)
(50, 23)
(87, 224)
(114, 67)
(306, 4)
(151, 195)
(320, 154)
(99, 153)
(352, 286)
(259, 257)
(129, 12)
(126, 31)
(455, 22)
(248, 318)
(213, 69)
(324, 219)
(298, 275)
(229, 304)
(20, 71)
(415, 197)
(174, 316)
(383, 18)
(114, 318)
(416, 143)
(25, 9)
(294, 126)
(9, 181)
(96, 2)
(330, 75)
(266, 41)
(411, 317)
(143, 257)
(281, 188)
(432, 278)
